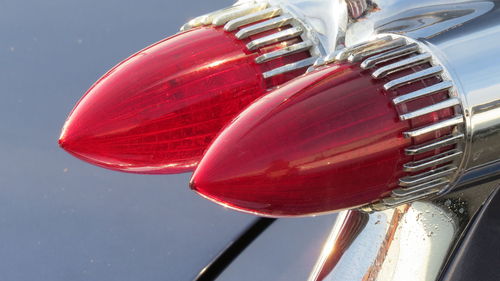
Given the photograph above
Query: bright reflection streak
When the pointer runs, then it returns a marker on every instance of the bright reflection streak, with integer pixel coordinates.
(408, 243)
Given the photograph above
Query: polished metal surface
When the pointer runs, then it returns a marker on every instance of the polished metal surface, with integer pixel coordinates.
(430, 109)
(436, 126)
(401, 65)
(275, 38)
(264, 26)
(432, 161)
(251, 18)
(469, 53)
(445, 85)
(292, 49)
(290, 67)
(327, 19)
(382, 48)
(427, 176)
(222, 16)
(241, 11)
(389, 55)
(417, 189)
(435, 144)
(419, 75)
(411, 242)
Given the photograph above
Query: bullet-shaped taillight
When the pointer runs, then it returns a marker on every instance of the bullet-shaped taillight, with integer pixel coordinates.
(157, 111)
(345, 135)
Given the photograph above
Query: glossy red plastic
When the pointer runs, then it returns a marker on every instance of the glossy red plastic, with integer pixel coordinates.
(157, 111)
(327, 141)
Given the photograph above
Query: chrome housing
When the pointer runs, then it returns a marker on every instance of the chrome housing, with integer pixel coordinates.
(415, 240)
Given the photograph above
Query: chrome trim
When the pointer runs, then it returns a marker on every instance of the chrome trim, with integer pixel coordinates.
(292, 49)
(432, 161)
(445, 85)
(391, 202)
(264, 26)
(384, 47)
(289, 67)
(236, 23)
(433, 71)
(427, 176)
(209, 18)
(434, 127)
(434, 144)
(407, 191)
(400, 65)
(359, 48)
(345, 53)
(433, 108)
(394, 54)
(223, 18)
(275, 38)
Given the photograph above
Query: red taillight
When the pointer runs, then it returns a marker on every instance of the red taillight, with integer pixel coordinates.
(330, 140)
(158, 110)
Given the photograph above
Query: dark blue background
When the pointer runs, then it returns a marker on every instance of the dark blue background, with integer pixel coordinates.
(60, 218)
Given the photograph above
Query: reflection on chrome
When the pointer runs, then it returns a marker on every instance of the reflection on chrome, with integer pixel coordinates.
(411, 242)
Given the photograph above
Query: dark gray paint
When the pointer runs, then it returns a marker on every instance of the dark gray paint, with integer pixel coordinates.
(60, 218)
(286, 251)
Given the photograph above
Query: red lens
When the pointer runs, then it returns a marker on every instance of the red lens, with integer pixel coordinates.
(327, 141)
(157, 111)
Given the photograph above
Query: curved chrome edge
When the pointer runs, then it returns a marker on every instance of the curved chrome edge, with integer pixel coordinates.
(412, 242)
